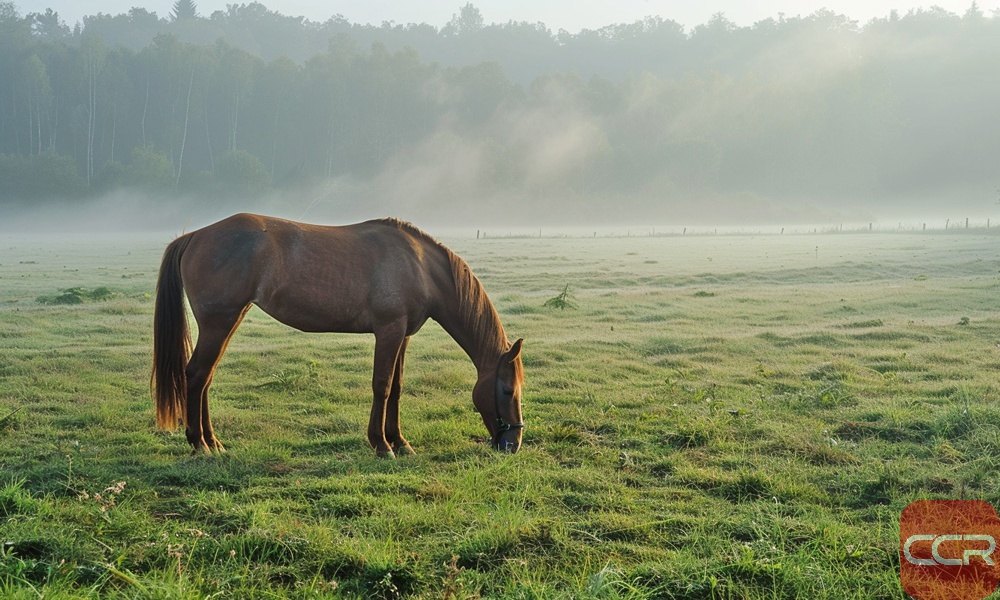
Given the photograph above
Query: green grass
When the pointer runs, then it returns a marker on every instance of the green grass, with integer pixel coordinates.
(720, 417)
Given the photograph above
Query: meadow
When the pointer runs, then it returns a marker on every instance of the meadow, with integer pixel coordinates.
(717, 416)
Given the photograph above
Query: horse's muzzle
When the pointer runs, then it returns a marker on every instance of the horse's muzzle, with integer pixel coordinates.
(508, 441)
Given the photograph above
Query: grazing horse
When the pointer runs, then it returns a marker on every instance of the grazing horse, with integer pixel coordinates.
(384, 277)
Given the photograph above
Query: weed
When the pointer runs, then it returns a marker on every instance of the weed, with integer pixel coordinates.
(103, 500)
(562, 300)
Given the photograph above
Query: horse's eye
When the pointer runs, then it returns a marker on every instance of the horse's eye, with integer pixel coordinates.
(508, 392)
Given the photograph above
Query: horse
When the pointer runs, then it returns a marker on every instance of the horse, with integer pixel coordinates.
(384, 277)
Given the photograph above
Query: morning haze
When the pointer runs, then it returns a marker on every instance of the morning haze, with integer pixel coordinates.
(814, 119)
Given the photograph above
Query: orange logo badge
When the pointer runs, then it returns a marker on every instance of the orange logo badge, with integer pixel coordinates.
(948, 549)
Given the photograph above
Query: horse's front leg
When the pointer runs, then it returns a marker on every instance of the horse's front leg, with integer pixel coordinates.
(393, 433)
(389, 341)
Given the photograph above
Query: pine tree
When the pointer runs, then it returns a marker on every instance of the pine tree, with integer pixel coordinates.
(184, 9)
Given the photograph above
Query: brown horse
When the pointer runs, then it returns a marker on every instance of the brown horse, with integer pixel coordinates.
(384, 277)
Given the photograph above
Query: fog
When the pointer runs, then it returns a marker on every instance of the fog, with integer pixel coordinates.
(811, 122)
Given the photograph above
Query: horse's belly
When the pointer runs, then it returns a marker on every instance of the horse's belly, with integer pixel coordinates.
(328, 300)
(307, 314)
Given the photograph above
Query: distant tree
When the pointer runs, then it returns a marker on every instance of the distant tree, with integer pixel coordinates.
(49, 26)
(9, 13)
(38, 94)
(184, 9)
(235, 78)
(148, 169)
(111, 175)
(241, 172)
(482, 89)
(91, 61)
(974, 13)
(278, 83)
(15, 37)
(42, 176)
(467, 22)
(134, 30)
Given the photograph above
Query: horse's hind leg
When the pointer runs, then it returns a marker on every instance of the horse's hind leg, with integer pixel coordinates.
(213, 335)
(208, 433)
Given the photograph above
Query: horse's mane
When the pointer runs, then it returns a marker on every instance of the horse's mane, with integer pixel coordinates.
(475, 309)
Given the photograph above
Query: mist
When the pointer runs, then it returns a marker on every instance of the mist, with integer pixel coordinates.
(815, 120)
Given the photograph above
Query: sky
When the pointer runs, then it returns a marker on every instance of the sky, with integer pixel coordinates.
(571, 15)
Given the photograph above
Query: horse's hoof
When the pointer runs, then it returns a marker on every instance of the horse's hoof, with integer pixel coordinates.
(386, 454)
(199, 447)
(404, 449)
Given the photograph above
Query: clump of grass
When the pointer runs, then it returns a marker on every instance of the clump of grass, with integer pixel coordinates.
(290, 380)
(695, 434)
(521, 309)
(10, 419)
(78, 295)
(863, 324)
(562, 300)
(14, 500)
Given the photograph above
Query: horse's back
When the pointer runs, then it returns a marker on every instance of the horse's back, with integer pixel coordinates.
(312, 277)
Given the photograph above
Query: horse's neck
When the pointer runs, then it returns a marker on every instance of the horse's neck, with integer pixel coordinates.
(484, 350)
(479, 333)
(466, 313)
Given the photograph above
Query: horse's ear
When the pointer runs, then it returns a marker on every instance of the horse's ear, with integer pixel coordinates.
(515, 351)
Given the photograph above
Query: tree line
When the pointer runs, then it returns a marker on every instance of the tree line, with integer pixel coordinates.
(787, 118)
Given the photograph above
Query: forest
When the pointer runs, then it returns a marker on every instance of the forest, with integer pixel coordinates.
(810, 119)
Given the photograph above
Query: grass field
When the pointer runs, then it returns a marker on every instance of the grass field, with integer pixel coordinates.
(719, 417)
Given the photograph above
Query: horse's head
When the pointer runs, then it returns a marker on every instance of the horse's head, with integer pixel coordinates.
(497, 396)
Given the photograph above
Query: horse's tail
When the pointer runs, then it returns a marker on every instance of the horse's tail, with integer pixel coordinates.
(171, 339)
